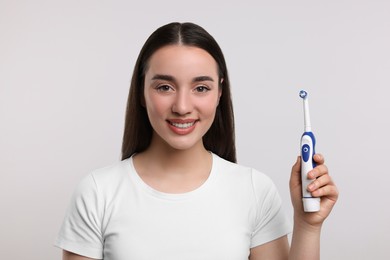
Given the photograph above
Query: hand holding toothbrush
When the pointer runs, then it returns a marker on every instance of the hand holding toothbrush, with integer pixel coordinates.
(320, 185)
(305, 243)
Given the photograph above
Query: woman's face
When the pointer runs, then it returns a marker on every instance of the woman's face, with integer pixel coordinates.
(181, 95)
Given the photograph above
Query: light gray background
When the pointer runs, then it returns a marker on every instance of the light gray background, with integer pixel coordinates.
(65, 68)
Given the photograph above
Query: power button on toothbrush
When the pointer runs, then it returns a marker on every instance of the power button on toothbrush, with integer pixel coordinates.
(305, 152)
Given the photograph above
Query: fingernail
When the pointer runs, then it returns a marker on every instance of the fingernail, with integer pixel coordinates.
(311, 186)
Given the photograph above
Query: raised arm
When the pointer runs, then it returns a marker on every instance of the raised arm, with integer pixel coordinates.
(305, 243)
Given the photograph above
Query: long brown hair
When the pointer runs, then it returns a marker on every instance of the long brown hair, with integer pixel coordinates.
(220, 138)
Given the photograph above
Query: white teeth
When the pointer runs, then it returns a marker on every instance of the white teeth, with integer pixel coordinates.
(183, 126)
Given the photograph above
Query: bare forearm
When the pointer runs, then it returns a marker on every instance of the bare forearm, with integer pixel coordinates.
(66, 255)
(305, 243)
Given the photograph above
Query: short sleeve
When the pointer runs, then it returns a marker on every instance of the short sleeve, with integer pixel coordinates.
(271, 222)
(80, 232)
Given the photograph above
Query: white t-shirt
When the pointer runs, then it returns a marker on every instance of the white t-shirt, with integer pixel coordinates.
(114, 215)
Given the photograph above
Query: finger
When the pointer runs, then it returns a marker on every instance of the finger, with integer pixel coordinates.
(332, 193)
(296, 172)
(297, 165)
(319, 158)
(318, 171)
(319, 182)
(329, 191)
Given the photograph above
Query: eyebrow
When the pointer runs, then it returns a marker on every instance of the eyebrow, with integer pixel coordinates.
(163, 77)
(171, 78)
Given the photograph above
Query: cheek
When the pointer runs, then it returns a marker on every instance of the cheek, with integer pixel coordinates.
(209, 106)
(155, 105)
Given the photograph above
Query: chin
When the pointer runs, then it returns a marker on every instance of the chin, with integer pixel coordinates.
(179, 142)
(182, 145)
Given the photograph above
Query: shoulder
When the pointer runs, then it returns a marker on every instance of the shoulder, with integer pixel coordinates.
(105, 179)
(249, 186)
(241, 172)
(112, 173)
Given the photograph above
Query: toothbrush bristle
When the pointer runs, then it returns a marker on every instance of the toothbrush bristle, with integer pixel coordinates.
(303, 94)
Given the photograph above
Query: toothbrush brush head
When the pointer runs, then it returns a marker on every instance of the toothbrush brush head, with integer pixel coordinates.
(303, 94)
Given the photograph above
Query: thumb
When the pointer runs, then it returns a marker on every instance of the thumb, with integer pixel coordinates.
(295, 177)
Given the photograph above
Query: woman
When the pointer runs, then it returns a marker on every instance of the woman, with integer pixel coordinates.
(178, 192)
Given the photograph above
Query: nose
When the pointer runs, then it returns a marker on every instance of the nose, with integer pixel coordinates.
(182, 104)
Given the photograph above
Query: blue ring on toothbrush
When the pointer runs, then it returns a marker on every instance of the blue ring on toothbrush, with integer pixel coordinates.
(303, 94)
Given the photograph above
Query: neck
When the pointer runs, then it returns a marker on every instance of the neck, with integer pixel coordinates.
(169, 157)
(175, 160)
(173, 170)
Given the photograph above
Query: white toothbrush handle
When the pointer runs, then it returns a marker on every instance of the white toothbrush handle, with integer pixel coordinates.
(310, 204)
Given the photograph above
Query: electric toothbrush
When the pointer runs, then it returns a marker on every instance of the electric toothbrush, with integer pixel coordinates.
(308, 141)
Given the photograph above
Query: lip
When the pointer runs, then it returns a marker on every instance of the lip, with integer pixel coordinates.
(182, 126)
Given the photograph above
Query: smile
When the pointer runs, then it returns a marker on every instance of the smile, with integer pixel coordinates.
(182, 125)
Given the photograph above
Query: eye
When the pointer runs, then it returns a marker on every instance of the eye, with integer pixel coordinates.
(164, 88)
(201, 89)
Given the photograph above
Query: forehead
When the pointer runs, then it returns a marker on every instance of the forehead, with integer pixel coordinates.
(182, 60)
